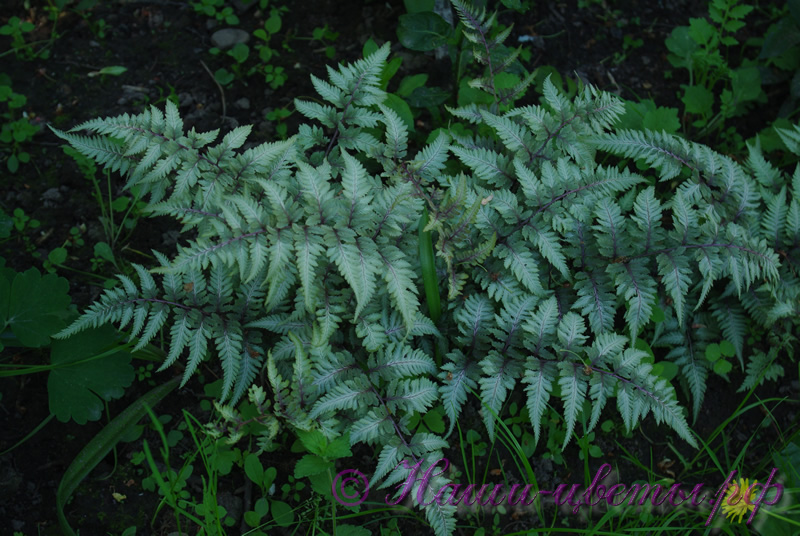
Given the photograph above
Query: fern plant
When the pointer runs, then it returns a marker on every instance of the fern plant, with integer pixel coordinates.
(301, 259)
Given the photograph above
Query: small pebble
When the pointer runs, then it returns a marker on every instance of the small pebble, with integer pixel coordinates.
(228, 37)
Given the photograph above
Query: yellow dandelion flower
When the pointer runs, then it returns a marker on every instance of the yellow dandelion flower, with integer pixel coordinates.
(734, 503)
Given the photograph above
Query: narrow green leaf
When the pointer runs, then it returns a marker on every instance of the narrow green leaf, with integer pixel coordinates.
(94, 452)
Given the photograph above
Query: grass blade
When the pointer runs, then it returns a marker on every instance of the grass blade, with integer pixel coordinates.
(101, 444)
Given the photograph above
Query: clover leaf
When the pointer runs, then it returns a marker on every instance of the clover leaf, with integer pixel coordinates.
(79, 382)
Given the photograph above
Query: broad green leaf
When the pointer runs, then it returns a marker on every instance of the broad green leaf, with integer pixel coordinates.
(722, 366)
(103, 251)
(410, 83)
(223, 76)
(253, 469)
(701, 31)
(713, 352)
(681, 44)
(697, 99)
(425, 97)
(313, 441)
(641, 344)
(782, 36)
(273, 23)
(121, 203)
(311, 464)
(434, 422)
(727, 349)
(239, 52)
(35, 306)
(370, 46)
(282, 513)
(401, 108)
(252, 518)
(666, 369)
(746, 83)
(423, 31)
(658, 314)
(662, 119)
(57, 256)
(87, 370)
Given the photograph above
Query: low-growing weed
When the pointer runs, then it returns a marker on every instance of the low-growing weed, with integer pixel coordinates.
(15, 127)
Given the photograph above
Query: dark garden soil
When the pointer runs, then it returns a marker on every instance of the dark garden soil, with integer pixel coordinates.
(164, 46)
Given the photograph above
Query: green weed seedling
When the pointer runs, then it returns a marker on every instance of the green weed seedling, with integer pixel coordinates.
(277, 116)
(272, 25)
(519, 422)
(629, 44)
(321, 35)
(326, 37)
(218, 10)
(556, 434)
(98, 27)
(145, 373)
(645, 114)
(317, 466)
(15, 127)
(13, 135)
(170, 483)
(430, 421)
(423, 30)
(16, 28)
(718, 354)
(239, 52)
(274, 75)
(118, 215)
(588, 448)
(703, 48)
(476, 443)
(23, 224)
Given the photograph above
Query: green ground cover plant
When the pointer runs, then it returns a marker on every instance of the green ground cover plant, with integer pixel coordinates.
(265, 55)
(15, 129)
(731, 75)
(703, 48)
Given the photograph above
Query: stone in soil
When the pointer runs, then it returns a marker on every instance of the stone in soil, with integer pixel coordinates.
(228, 37)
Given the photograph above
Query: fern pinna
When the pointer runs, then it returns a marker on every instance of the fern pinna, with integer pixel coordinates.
(304, 262)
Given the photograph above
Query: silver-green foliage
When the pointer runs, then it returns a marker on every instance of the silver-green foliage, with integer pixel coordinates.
(303, 260)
